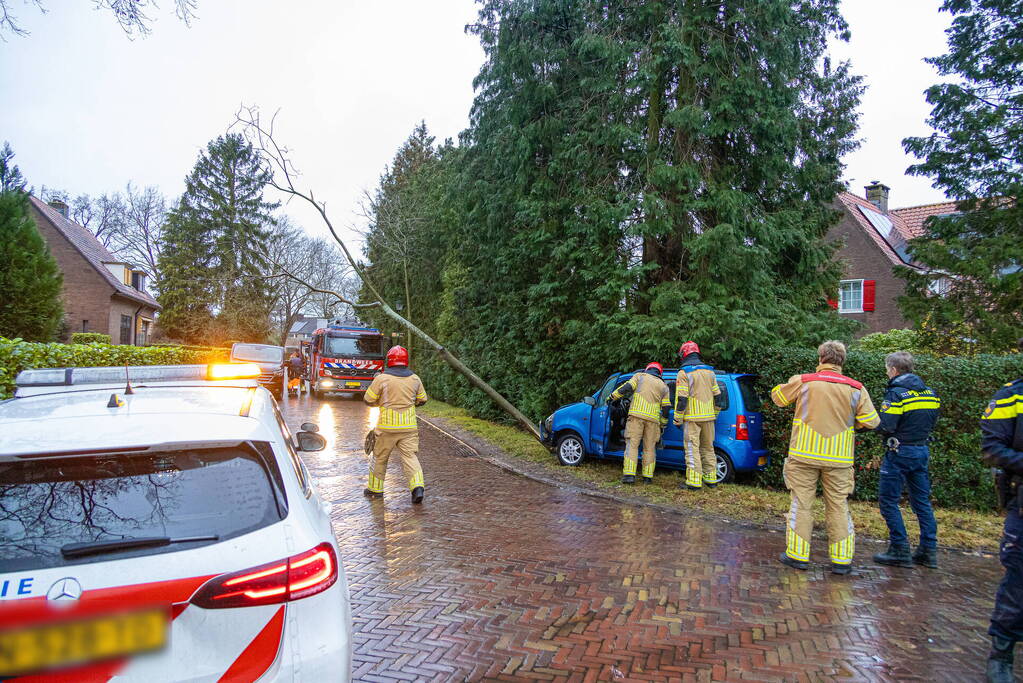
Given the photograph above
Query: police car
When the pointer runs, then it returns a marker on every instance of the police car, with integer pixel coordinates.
(158, 524)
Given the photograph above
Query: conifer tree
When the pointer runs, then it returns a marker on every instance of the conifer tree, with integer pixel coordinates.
(642, 173)
(30, 281)
(976, 157)
(214, 251)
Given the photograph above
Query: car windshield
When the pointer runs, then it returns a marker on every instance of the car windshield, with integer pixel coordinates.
(362, 347)
(257, 353)
(48, 503)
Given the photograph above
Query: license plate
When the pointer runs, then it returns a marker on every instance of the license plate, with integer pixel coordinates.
(52, 646)
(353, 384)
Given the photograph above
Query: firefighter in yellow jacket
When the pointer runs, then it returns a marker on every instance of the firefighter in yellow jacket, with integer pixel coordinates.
(829, 407)
(397, 390)
(648, 415)
(696, 392)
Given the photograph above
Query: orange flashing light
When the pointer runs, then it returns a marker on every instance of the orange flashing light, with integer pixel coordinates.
(232, 371)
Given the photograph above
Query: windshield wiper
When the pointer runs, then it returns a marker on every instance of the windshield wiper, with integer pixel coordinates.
(72, 550)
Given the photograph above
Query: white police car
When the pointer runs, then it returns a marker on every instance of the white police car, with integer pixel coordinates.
(164, 533)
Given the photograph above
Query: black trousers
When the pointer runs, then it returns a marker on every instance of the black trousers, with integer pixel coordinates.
(1007, 619)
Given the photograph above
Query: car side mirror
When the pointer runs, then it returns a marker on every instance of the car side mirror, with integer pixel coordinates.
(310, 441)
(309, 427)
(590, 401)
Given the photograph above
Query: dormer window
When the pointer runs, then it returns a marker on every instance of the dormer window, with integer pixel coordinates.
(138, 280)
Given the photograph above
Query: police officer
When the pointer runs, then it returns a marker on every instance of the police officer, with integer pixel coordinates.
(908, 415)
(1002, 445)
(397, 390)
(828, 407)
(696, 392)
(648, 414)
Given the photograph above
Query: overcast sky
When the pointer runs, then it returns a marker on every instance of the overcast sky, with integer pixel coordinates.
(86, 109)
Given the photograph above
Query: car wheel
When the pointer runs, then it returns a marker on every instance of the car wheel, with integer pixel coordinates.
(570, 450)
(726, 471)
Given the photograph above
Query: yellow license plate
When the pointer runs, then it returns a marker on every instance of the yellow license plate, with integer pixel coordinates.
(50, 646)
(354, 384)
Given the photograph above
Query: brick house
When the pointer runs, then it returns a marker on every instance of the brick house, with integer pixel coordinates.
(101, 292)
(874, 241)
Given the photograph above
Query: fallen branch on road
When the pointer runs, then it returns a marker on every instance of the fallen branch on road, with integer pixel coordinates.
(283, 179)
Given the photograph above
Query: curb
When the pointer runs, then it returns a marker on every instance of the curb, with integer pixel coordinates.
(492, 454)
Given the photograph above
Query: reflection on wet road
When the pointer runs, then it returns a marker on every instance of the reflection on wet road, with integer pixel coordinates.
(497, 577)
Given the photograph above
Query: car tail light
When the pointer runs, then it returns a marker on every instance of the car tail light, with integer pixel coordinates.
(741, 429)
(292, 578)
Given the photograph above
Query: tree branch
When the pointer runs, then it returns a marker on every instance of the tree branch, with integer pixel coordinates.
(283, 179)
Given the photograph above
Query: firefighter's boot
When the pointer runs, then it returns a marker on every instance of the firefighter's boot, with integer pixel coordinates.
(895, 556)
(841, 569)
(795, 564)
(372, 494)
(648, 480)
(928, 557)
(417, 495)
(999, 663)
(629, 479)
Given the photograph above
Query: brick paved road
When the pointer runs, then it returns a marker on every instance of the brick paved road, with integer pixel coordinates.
(498, 577)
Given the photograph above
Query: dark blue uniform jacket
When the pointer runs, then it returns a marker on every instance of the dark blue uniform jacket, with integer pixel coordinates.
(909, 411)
(1001, 429)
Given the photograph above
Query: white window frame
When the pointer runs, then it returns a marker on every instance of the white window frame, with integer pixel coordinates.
(841, 302)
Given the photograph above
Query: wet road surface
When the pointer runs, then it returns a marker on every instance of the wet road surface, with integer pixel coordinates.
(498, 577)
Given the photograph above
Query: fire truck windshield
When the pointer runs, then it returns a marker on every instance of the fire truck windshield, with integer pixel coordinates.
(363, 347)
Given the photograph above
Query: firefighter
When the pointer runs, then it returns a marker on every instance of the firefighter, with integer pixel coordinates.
(397, 390)
(296, 370)
(696, 405)
(828, 407)
(908, 415)
(648, 415)
(1002, 446)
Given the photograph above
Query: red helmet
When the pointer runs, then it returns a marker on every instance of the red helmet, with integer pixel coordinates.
(656, 366)
(396, 356)
(687, 348)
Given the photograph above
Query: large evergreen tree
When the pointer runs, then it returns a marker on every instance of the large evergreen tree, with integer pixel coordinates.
(214, 249)
(640, 173)
(30, 306)
(976, 157)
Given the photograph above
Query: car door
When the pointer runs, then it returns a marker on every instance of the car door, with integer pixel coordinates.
(600, 420)
(672, 451)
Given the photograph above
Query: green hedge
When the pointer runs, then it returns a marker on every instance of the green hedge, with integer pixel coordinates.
(17, 355)
(965, 385)
(90, 338)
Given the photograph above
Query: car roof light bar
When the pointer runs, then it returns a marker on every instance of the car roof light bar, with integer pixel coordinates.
(67, 377)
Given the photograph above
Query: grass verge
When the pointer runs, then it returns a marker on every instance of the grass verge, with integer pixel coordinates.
(964, 529)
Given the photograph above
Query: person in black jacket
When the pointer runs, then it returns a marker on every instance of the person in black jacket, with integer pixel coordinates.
(1001, 430)
(908, 415)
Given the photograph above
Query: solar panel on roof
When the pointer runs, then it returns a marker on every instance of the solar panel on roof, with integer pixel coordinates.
(883, 224)
(885, 227)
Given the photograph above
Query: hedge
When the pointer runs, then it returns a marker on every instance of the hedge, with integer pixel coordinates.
(17, 355)
(90, 338)
(965, 385)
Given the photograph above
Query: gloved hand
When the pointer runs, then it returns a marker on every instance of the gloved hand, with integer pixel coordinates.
(677, 422)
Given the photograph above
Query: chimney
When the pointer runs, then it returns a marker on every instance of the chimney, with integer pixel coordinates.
(60, 206)
(877, 194)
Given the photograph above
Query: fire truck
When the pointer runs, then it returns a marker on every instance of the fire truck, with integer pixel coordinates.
(344, 357)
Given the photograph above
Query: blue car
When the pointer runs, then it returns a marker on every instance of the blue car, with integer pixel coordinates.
(592, 428)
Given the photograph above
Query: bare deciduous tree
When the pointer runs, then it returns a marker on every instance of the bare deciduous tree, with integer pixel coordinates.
(284, 178)
(130, 14)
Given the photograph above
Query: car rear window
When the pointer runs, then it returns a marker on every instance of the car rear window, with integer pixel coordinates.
(49, 502)
(750, 397)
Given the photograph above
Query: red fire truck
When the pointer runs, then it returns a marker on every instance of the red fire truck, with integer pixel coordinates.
(345, 358)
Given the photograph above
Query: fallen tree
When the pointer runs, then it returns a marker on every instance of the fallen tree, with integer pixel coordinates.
(283, 174)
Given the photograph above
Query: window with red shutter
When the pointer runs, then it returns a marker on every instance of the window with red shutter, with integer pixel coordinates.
(869, 289)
